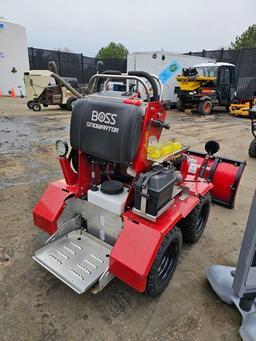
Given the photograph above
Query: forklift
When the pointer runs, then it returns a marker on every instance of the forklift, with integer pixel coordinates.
(205, 86)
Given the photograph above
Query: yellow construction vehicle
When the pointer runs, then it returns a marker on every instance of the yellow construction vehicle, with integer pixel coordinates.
(241, 107)
(205, 86)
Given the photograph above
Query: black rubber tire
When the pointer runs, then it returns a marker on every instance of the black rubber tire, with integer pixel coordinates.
(36, 107)
(63, 106)
(227, 108)
(180, 106)
(30, 104)
(252, 149)
(205, 107)
(163, 266)
(192, 227)
(69, 104)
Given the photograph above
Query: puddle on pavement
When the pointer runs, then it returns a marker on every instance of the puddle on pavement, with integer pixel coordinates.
(23, 139)
(20, 134)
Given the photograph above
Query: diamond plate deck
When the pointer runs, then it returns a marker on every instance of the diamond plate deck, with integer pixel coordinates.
(77, 260)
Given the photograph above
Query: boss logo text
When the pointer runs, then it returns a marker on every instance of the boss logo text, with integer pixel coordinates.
(103, 121)
(102, 117)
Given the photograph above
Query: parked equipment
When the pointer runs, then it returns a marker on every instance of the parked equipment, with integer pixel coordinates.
(45, 88)
(237, 285)
(252, 147)
(205, 86)
(241, 107)
(120, 210)
(166, 65)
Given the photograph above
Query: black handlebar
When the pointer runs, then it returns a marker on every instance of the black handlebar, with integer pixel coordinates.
(151, 81)
(143, 74)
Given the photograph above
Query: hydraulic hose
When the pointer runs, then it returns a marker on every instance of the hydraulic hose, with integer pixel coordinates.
(62, 81)
(59, 80)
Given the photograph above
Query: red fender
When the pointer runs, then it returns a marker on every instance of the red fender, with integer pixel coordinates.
(138, 243)
(50, 206)
(133, 254)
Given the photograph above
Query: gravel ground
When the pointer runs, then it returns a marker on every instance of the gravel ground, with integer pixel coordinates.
(37, 306)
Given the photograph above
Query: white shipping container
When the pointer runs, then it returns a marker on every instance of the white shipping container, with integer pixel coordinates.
(13, 57)
(165, 65)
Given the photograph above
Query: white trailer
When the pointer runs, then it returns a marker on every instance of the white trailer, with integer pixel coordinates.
(165, 65)
(13, 57)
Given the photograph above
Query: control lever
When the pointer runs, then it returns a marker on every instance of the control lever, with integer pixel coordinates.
(161, 124)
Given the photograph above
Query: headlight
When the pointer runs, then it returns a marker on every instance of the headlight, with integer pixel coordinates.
(61, 148)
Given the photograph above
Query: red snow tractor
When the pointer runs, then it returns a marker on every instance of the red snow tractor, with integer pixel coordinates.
(120, 212)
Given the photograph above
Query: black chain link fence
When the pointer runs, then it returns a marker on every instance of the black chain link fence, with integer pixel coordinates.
(82, 67)
(71, 64)
(245, 61)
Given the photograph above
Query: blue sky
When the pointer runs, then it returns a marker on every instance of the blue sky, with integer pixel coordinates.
(142, 25)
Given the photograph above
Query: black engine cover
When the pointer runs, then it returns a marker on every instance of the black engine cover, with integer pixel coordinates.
(106, 130)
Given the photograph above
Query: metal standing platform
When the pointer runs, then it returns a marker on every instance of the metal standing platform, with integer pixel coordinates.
(238, 285)
(78, 260)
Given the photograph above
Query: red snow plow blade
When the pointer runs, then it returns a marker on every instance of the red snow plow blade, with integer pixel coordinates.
(224, 174)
